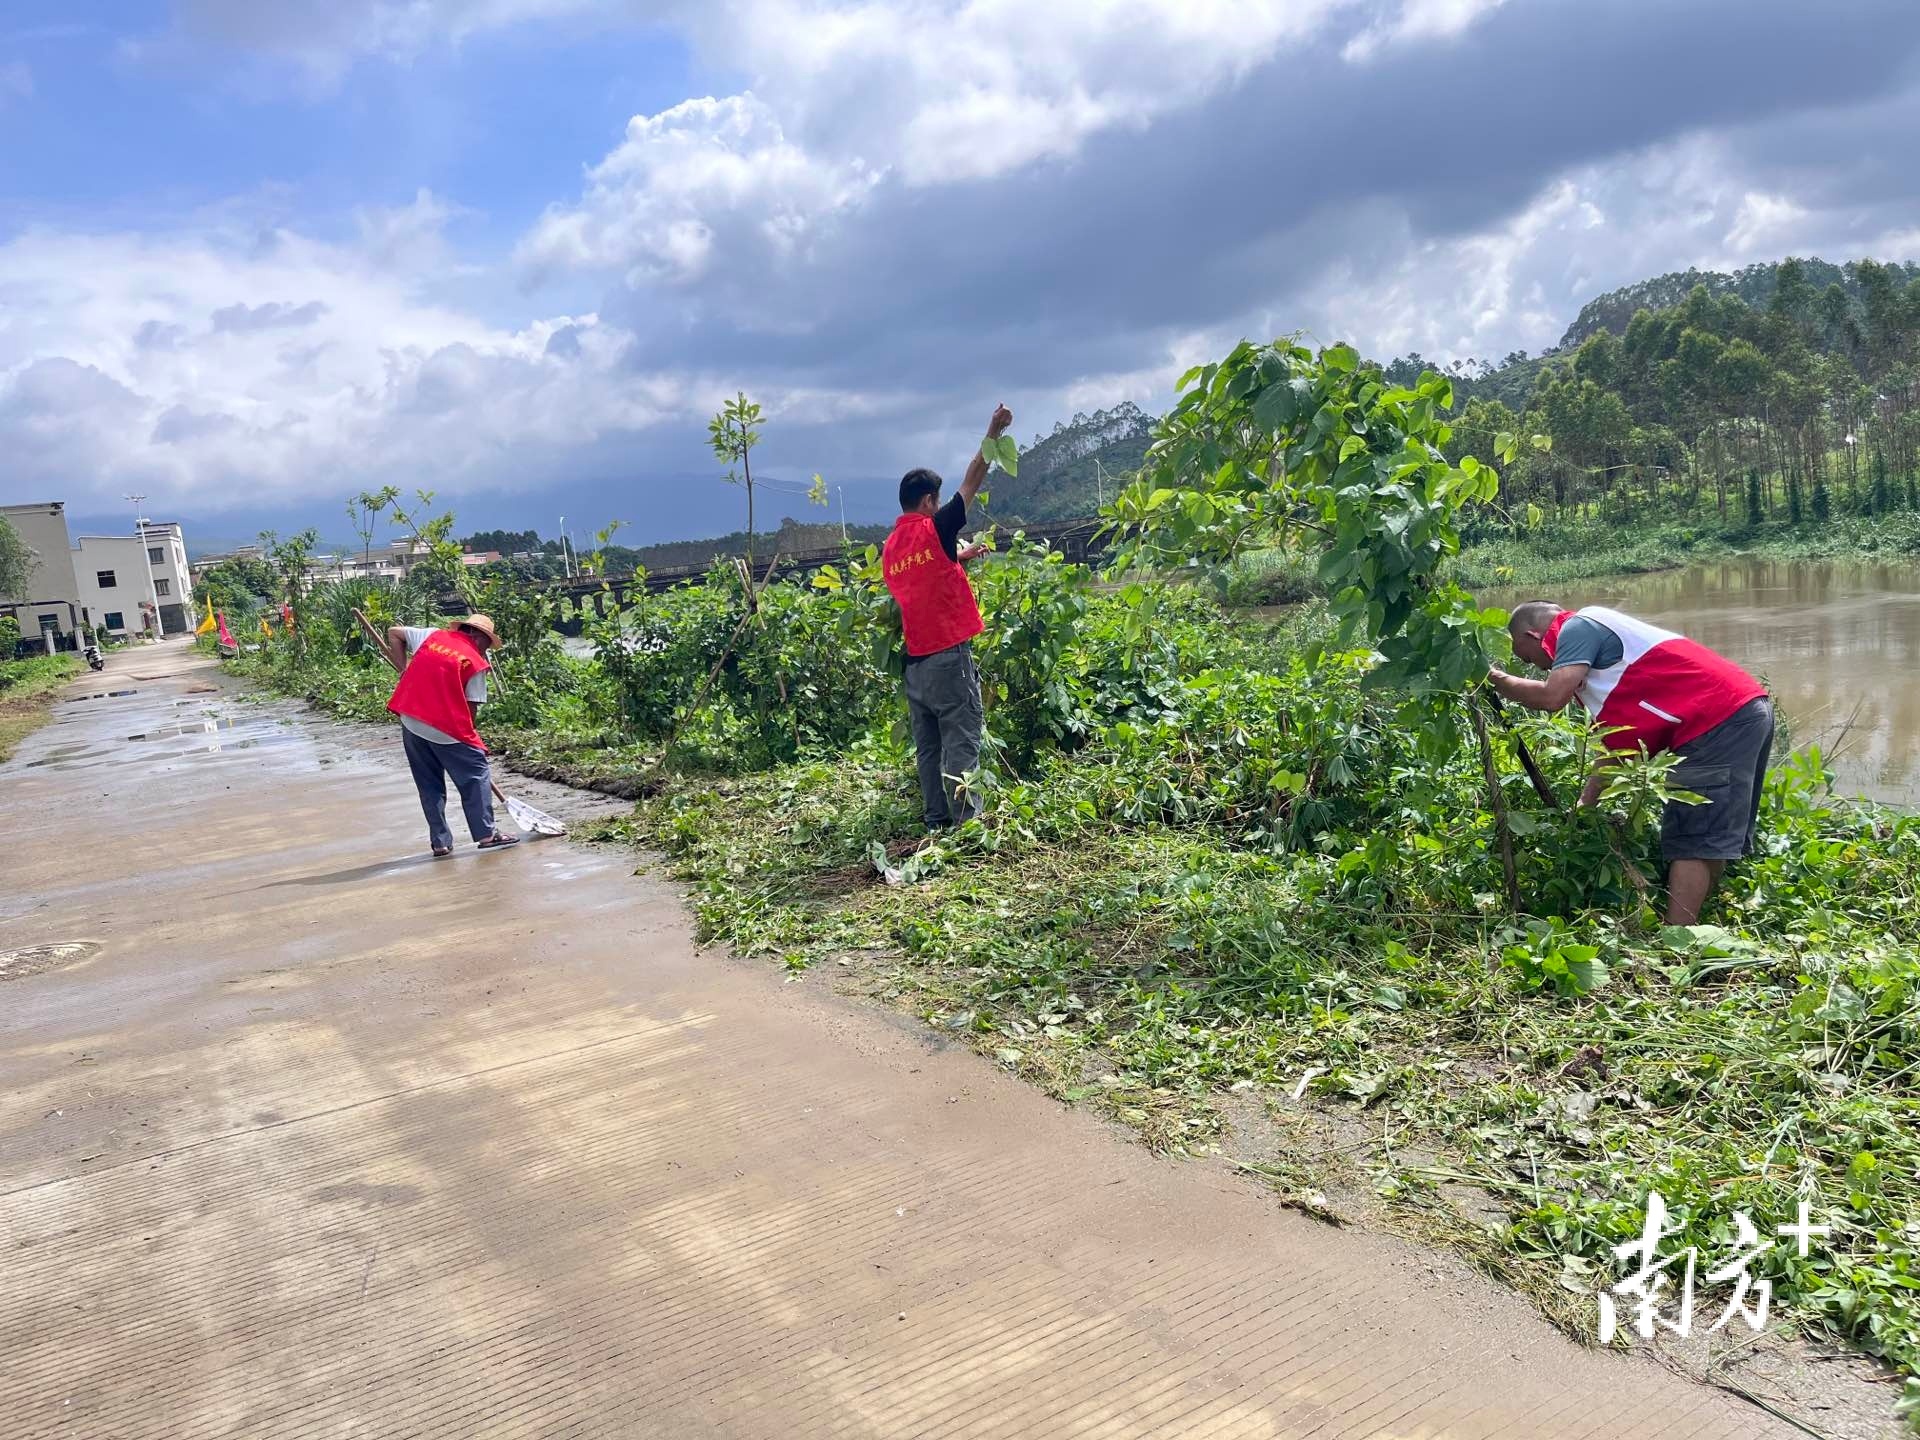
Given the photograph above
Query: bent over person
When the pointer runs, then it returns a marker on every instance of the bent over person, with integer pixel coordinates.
(923, 561)
(443, 682)
(1653, 690)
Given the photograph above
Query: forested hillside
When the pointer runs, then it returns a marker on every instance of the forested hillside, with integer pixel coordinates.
(1066, 473)
(1797, 402)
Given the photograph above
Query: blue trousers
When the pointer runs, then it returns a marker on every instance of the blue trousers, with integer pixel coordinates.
(431, 764)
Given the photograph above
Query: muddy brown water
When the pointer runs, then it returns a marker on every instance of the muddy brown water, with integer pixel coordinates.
(1835, 642)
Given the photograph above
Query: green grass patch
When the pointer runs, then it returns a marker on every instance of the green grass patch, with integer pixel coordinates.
(26, 695)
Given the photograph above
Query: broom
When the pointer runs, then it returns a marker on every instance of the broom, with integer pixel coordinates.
(534, 822)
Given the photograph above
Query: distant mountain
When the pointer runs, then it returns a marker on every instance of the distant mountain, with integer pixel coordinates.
(1064, 475)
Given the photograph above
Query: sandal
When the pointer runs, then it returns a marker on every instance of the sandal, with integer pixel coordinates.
(498, 841)
(441, 854)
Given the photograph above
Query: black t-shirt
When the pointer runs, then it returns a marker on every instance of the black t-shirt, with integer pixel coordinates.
(948, 521)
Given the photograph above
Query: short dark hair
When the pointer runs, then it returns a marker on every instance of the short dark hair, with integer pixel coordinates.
(915, 486)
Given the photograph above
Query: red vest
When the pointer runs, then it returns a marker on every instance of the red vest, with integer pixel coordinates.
(433, 688)
(1665, 690)
(937, 609)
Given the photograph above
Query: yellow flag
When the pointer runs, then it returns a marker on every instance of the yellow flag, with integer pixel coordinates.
(206, 626)
(266, 629)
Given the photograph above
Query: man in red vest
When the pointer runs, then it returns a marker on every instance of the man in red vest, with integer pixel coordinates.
(1650, 690)
(923, 561)
(443, 681)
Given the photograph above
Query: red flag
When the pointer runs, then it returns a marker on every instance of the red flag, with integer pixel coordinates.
(226, 636)
(286, 616)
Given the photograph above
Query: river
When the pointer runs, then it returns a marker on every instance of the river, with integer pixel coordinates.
(1836, 643)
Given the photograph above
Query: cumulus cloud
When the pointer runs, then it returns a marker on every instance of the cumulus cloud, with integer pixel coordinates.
(848, 96)
(693, 181)
(111, 372)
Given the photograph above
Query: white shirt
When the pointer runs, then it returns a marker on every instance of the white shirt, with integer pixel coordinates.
(416, 636)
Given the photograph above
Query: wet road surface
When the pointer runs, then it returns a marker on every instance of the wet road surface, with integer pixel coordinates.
(303, 1134)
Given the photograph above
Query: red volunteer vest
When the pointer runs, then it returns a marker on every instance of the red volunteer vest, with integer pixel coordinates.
(433, 688)
(1665, 691)
(937, 608)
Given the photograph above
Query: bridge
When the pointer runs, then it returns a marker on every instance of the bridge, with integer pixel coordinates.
(1078, 540)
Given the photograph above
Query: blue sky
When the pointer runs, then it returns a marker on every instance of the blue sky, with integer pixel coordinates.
(255, 256)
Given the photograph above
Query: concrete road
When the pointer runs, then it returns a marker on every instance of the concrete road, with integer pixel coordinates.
(303, 1134)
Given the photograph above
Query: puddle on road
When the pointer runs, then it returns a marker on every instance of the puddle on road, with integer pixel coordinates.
(18, 964)
(65, 753)
(196, 727)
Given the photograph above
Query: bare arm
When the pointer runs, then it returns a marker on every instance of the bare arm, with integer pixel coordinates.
(396, 649)
(1550, 694)
(1597, 781)
(976, 475)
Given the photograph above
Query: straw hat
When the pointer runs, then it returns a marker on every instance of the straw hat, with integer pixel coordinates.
(484, 625)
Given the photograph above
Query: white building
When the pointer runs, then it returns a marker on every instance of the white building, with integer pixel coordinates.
(391, 562)
(102, 583)
(122, 578)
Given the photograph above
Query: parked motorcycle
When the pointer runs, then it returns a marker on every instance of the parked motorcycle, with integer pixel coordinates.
(95, 660)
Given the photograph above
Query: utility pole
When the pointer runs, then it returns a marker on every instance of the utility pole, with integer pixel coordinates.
(566, 557)
(140, 534)
(841, 491)
(1100, 482)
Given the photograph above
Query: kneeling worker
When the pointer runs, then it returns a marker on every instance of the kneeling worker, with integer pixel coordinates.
(923, 563)
(443, 679)
(1655, 690)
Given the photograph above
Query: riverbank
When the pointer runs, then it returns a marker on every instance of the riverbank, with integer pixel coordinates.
(1543, 557)
(27, 695)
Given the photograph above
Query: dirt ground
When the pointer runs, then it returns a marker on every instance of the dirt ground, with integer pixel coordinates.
(303, 1133)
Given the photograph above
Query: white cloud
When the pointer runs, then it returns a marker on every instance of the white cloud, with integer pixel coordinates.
(1417, 20)
(849, 94)
(1762, 220)
(211, 368)
(409, 238)
(957, 91)
(691, 180)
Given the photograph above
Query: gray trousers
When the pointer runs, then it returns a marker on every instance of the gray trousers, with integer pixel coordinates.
(431, 764)
(943, 704)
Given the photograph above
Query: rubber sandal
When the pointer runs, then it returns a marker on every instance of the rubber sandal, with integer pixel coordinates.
(497, 841)
(440, 854)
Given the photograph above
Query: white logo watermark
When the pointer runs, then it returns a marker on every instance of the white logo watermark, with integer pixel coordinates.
(1661, 1303)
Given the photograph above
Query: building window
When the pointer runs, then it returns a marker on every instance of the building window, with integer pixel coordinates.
(156, 555)
(104, 579)
(115, 621)
(163, 587)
